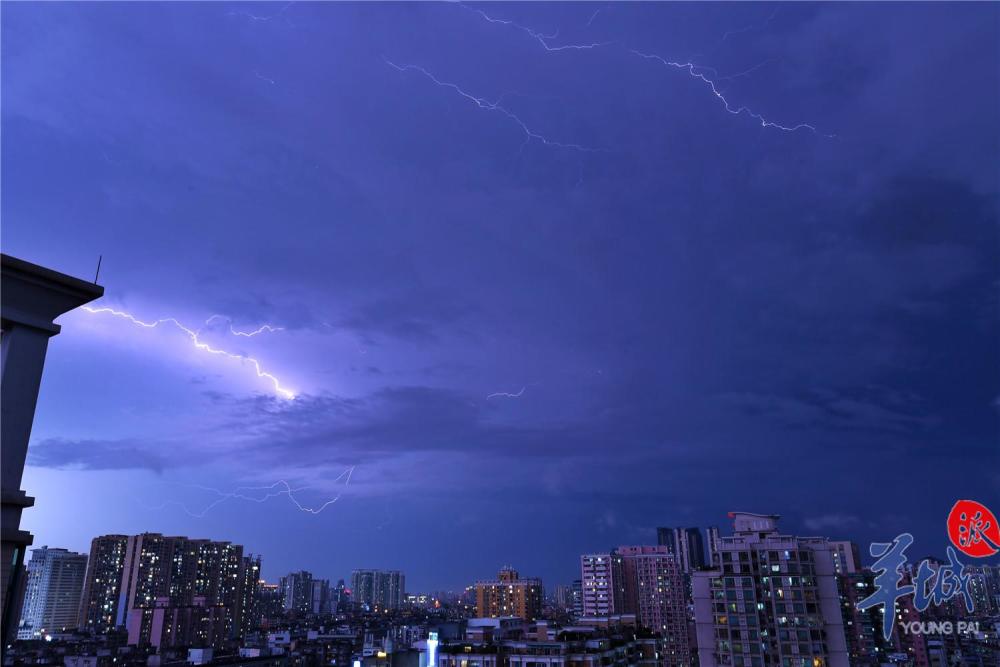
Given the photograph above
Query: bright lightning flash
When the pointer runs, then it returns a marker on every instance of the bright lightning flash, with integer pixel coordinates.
(506, 394)
(199, 344)
(698, 72)
(279, 488)
(541, 38)
(483, 103)
(267, 328)
(695, 71)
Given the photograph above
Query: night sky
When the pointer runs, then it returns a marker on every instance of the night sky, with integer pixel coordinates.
(534, 301)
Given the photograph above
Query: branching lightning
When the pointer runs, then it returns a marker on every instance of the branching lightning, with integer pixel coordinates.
(733, 77)
(506, 394)
(483, 103)
(260, 18)
(748, 28)
(541, 38)
(698, 72)
(266, 328)
(279, 488)
(695, 71)
(199, 344)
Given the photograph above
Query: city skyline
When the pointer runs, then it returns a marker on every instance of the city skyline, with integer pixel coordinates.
(847, 555)
(381, 281)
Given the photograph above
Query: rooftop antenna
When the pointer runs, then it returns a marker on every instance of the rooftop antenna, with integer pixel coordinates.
(99, 258)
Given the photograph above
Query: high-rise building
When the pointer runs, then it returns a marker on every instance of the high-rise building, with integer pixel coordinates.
(269, 604)
(656, 590)
(338, 596)
(363, 588)
(991, 583)
(31, 298)
(320, 596)
(772, 599)
(296, 592)
(249, 611)
(189, 580)
(576, 595)
(563, 597)
(509, 595)
(52, 594)
(981, 581)
(378, 589)
(128, 577)
(687, 544)
(194, 624)
(866, 645)
(846, 557)
(712, 547)
(103, 583)
(603, 585)
(149, 562)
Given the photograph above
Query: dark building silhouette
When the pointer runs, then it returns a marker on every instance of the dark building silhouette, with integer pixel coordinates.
(152, 583)
(32, 297)
(378, 589)
(296, 592)
(688, 544)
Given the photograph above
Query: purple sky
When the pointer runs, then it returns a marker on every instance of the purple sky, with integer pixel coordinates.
(536, 301)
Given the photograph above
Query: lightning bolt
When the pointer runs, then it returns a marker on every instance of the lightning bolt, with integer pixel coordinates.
(505, 394)
(539, 37)
(198, 344)
(698, 72)
(263, 78)
(733, 77)
(748, 28)
(259, 18)
(266, 328)
(695, 71)
(275, 490)
(483, 103)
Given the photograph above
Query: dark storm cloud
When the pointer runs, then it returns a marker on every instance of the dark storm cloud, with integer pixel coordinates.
(417, 316)
(702, 309)
(398, 421)
(830, 412)
(92, 454)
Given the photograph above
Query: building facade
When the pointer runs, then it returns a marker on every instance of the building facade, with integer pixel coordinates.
(101, 595)
(250, 617)
(602, 585)
(984, 586)
(773, 600)
(296, 592)
(166, 624)
(130, 575)
(688, 544)
(509, 595)
(866, 645)
(320, 596)
(655, 588)
(31, 298)
(52, 594)
(712, 546)
(378, 589)
(846, 557)
(576, 595)
(269, 605)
